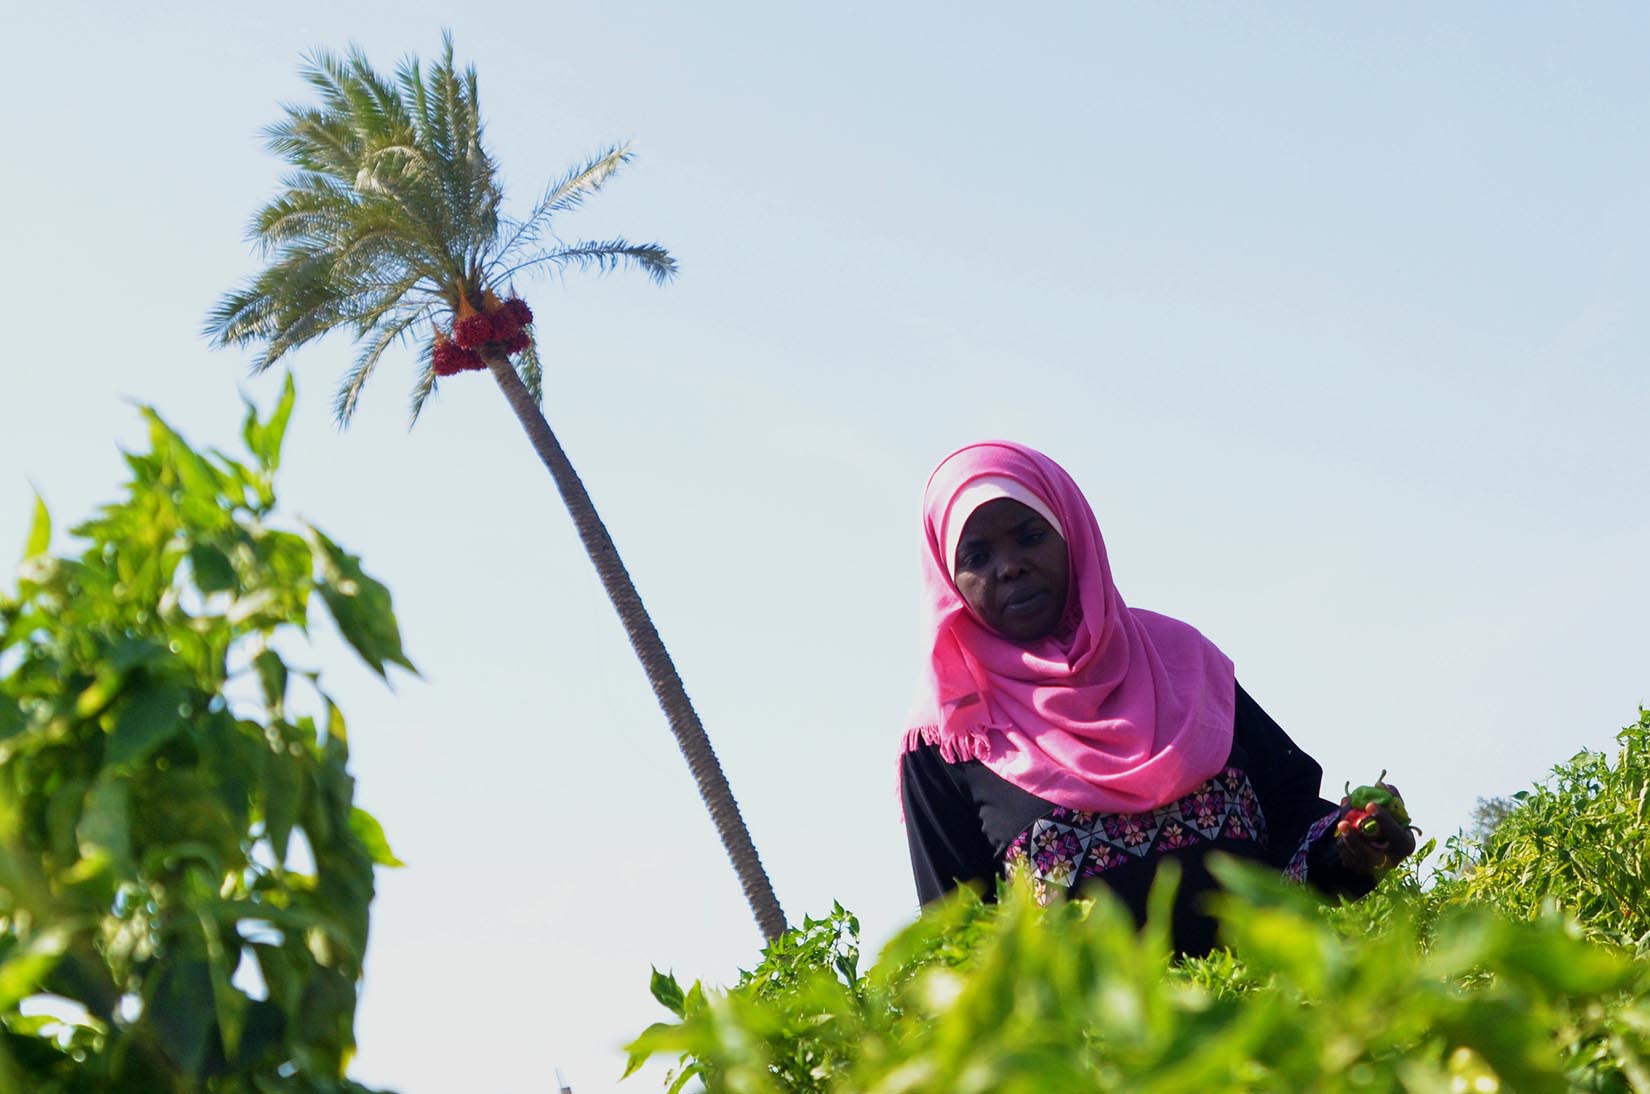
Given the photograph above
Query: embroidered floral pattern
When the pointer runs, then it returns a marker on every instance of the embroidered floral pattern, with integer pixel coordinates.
(1055, 851)
(1102, 858)
(1175, 836)
(1134, 832)
(1067, 845)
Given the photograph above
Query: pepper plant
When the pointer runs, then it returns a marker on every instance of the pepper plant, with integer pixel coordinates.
(1521, 967)
(184, 878)
(1580, 840)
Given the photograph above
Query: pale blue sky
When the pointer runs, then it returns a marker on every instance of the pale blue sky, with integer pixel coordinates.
(1338, 315)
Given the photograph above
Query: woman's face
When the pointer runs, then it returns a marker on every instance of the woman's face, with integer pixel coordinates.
(1011, 569)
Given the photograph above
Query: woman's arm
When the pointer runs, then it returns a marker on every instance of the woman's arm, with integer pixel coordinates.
(1300, 824)
(942, 826)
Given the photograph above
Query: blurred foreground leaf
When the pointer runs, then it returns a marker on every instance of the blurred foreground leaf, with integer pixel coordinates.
(151, 778)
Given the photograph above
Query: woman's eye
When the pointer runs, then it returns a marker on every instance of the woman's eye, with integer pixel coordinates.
(1032, 539)
(972, 561)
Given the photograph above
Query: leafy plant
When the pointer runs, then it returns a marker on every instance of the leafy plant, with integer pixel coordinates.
(391, 228)
(1581, 841)
(1512, 970)
(184, 878)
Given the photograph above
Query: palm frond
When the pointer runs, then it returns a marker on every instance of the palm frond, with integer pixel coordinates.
(425, 386)
(570, 192)
(311, 206)
(374, 304)
(382, 104)
(327, 73)
(470, 179)
(290, 296)
(242, 315)
(530, 371)
(315, 141)
(566, 194)
(410, 75)
(299, 320)
(604, 256)
(349, 392)
(307, 295)
(383, 169)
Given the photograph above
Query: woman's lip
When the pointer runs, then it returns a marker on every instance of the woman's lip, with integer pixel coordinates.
(1020, 604)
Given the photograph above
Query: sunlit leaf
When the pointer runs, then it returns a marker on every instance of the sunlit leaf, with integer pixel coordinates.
(40, 531)
(667, 991)
(371, 834)
(23, 968)
(359, 604)
(264, 437)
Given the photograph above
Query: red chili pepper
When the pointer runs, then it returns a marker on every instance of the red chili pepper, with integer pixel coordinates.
(1361, 821)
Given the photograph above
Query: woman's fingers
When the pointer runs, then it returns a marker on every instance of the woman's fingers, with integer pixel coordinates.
(1357, 853)
(1395, 834)
(1393, 843)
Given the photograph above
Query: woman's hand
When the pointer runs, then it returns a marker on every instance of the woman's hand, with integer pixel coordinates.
(1391, 844)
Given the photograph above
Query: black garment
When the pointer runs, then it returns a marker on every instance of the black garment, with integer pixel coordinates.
(963, 821)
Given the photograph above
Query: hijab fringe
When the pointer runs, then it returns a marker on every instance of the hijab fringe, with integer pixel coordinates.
(973, 743)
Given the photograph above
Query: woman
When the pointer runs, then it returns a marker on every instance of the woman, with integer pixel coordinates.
(1060, 731)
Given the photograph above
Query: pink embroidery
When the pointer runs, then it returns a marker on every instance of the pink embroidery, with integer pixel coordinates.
(1070, 844)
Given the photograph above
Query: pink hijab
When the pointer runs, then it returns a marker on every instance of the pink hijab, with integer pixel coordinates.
(1118, 711)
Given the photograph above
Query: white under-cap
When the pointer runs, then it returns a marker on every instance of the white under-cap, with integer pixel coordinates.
(977, 493)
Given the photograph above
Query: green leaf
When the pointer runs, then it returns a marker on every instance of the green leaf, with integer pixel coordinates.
(284, 783)
(359, 605)
(182, 1009)
(40, 532)
(1567, 965)
(272, 675)
(12, 718)
(105, 822)
(227, 1000)
(213, 571)
(659, 1037)
(264, 439)
(147, 720)
(131, 653)
(25, 968)
(686, 1075)
(371, 834)
(200, 480)
(61, 814)
(667, 991)
(337, 728)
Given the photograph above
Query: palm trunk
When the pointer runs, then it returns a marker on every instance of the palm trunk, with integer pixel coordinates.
(644, 638)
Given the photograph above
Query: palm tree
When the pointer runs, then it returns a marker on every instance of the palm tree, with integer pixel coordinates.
(390, 227)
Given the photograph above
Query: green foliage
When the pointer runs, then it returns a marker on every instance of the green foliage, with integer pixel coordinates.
(391, 221)
(1582, 842)
(1513, 970)
(156, 776)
